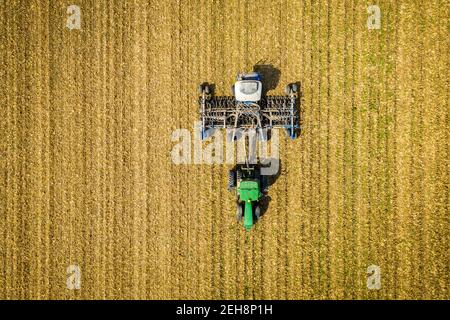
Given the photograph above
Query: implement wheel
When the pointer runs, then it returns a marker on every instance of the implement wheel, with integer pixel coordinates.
(288, 89)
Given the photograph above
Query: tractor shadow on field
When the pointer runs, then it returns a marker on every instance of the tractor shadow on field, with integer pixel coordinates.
(266, 199)
(269, 74)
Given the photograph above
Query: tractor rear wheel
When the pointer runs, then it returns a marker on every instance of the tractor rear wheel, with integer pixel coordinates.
(257, 212)
(239, 212)
(231, 180)
(264, 184)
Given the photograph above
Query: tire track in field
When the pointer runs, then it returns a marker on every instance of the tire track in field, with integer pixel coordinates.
(107, 43)
(177, 263)
(309, 136)
(369, 99)
(209, 169)
(54, 31)
(314, 150)
(118, 96)
(215, 187)
(33, 136)
(262, 43)
(395, 208)
(293, 159)
(334, 136)
(4, 74)
(279, 204)
(403, 139)
(228, 205)
(322, 202)
(428, 149)
(283, 241)
(201, 179)
(206, 177)
(416, 159)
(439, 232)
(63, 90)
(382, 164)
(303, 155)
(424, 154)
(154, 287)
(140, 155)
(45, 100)
(359, 30)
(223, 210)
(17, 156)
(124, 211)
(129, 130)
(389, 102)
(94, 41)
(78, 46)
(87, 156)
(231, 57)
(193, 174)
(11, 154)
(345, 208)
(308, 122)
(432, 95)
(322, 150)
(318, 181)
(341, 151)
(328, 134)
(23, 149)
(250, 44)
(262, 234)
(217, 170)
(32, 193)
(159, 145)
(354, 159)
(184, 110)
(252, 284)
(242, 59)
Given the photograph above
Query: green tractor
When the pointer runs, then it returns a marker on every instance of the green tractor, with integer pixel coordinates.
(250, 188)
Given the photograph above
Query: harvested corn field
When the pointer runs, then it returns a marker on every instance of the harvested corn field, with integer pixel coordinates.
(89, 189)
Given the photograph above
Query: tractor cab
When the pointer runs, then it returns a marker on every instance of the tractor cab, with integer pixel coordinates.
(248, 87)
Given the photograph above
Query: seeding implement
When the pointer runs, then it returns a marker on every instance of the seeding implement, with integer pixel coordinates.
(247, 108)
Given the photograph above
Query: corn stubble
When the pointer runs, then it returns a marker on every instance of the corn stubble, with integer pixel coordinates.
(87, 178)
